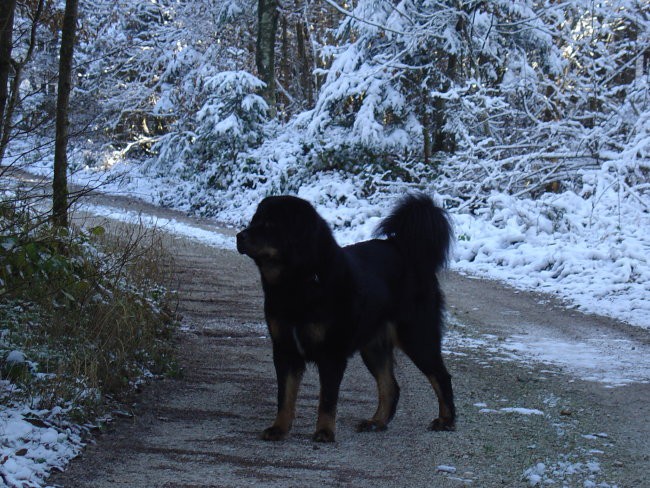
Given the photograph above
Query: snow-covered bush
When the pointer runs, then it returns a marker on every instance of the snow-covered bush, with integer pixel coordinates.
(421, 77)
(518, 97)
(143, 63)
(212, 150)
(232, 118)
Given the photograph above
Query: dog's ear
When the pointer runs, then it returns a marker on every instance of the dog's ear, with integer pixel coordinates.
(312, 244)
(321, 243)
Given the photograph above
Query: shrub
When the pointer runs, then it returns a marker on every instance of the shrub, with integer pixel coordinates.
(89, 310)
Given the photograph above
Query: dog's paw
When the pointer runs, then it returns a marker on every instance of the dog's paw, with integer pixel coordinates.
(273, 433)
(323, 435)
(371, 426)
(441, 425)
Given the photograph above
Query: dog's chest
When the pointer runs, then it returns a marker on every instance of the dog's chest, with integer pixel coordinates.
(310, 338)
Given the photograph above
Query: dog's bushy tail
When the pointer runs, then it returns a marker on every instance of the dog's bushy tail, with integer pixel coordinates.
(421, 230)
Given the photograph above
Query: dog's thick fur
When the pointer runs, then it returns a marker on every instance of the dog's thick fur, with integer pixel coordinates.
(324, 302)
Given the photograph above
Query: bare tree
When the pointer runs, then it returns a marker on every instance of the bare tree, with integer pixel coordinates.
(267, 26)
(7, 10)
(10, 102)
(60, 183)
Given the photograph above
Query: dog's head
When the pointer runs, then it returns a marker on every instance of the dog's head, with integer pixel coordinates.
(287, 238)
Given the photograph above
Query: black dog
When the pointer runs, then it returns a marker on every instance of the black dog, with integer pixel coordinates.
(324, 302)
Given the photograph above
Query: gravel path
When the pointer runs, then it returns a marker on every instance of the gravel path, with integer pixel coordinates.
(520, 422)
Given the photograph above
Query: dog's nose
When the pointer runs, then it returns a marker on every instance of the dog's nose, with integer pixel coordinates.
(242, 239)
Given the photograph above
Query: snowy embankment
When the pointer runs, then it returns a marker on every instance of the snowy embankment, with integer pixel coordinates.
(592, 250)
(595, 255)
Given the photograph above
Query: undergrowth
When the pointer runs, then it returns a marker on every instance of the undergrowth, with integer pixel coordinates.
(88, 312)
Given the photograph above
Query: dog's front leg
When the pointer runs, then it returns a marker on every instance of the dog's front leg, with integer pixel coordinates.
(330, 372)
(289, 370)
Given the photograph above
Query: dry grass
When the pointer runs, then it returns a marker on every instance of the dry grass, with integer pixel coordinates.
(90, 310)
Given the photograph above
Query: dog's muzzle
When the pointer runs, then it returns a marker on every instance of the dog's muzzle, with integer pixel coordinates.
(242, 241)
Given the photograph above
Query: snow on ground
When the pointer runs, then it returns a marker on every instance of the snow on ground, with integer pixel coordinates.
(171, 226)
(614, 362)
(567, 470)
(607, 360)
(33, 443)
(518, 410)
(594, 257)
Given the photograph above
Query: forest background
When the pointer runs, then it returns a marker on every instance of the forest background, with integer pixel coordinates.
(467, 97)
(528, 120)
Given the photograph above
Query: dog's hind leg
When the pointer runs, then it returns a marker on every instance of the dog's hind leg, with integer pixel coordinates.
(330, 372)
(424, 349)
(378, 357)
(289, 371)
(440, 380)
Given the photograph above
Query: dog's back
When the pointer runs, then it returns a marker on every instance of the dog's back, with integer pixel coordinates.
(395, 277)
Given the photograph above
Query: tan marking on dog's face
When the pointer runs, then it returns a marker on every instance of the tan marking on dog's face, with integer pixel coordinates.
(267, 251)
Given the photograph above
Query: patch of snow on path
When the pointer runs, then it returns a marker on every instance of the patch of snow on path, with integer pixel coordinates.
(608, 360)
(614, 362)
(568, 472)
(208, 237)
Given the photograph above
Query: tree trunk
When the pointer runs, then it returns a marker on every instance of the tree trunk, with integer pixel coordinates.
(267, 26)
(60, 183)
(7, 9)
(11, 98)
(286, 65)
(442, 139)
(305, 68)
(426, 139)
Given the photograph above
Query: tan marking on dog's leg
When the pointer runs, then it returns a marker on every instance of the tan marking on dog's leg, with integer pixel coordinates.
(274, 329)
(443, 409)
(386, 391)
(444, 414)
(388, 394)
(286, 414)
(325, 427)
(391, 330)
(326, 421)
(330, 372)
